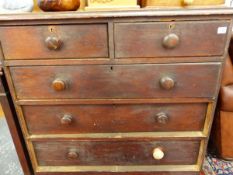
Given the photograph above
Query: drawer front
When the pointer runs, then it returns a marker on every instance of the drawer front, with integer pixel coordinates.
(58, 41)
(73, 119)
(174, 39)
(118, 81)
(70, 153)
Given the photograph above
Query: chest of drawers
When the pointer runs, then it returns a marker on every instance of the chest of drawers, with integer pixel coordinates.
(128, 93)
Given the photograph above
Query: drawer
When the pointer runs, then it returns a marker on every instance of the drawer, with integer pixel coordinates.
(170, 39)
(116, 82)
(74, 119)
(116, 152)
(58, 41)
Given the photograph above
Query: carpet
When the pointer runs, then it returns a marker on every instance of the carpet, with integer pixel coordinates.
(9, 164)
(215, 166)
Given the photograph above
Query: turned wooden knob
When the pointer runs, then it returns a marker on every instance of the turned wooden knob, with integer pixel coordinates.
(158, 154)
(188, 2)
(167, 83)
(53, 43)
(171, 41)
(59, 85)
(72, 154)
(162, 118)
(66, 119)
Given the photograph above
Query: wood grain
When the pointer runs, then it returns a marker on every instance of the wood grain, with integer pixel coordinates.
(118, 81)
(78, 41)
(146, 39)
(114, 118)
(105, 152)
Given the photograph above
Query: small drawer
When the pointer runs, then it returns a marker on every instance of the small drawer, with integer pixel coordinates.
(116, 82)
(75, 119)
(170, 39)
(57, 41)
(116, 152)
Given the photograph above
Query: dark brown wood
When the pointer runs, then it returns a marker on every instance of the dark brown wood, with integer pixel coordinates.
(98, 98)
(167, 83)
(59, 85)
(67, 119)
(200, 13)
(171, 41)
(78, 41)
(147, 39)
(72, 154)
(103, 152)
(53, 43)
(118, 81)
(13, 124)
(114, 118)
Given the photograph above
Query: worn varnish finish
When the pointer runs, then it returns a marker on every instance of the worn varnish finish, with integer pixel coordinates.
(55, 41)
(114, 118)
(146, 39)
(105, 93)
(118, 81)
(116, 152)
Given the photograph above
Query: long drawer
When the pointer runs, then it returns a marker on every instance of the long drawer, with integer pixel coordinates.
(117, 82)
(55, 41)
(74, 119)
(116, 152)
(170, 39)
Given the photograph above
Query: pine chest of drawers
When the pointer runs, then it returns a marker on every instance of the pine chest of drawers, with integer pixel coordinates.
(128, 93)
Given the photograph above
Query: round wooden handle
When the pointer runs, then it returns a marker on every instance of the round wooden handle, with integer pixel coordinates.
(171, 41)
(72, 154)
(162, 118)
(158, 154)
(59, 85)
(167, 83)
(66, 119)
(53, 43)
(188, 2)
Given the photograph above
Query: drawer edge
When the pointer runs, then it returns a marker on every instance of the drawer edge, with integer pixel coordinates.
(159, 135)
(153, 168)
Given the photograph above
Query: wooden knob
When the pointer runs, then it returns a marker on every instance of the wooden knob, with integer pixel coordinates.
(66, 119)
(72, 154)
(59, 85)
(167, 83)
(53, 43)
(162, 118)
(158, 154)
(188, 2)
(171, 41)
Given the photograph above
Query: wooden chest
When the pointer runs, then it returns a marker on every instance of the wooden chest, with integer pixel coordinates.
(125, 93)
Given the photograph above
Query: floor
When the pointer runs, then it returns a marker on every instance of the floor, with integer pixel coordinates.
(9, 164)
